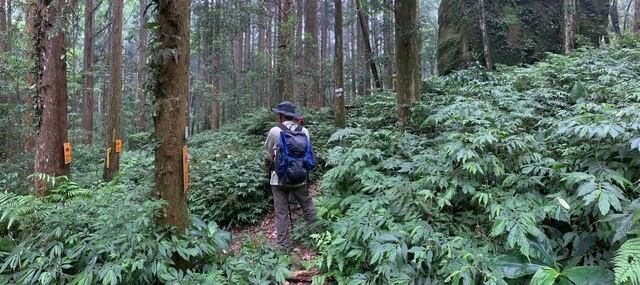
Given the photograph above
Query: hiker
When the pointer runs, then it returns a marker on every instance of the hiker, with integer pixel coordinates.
(287, 117)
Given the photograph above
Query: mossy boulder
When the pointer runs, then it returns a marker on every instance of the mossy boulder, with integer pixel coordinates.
(520, 32)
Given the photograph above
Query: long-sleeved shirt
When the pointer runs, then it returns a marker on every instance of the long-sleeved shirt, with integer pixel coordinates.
(271, 143)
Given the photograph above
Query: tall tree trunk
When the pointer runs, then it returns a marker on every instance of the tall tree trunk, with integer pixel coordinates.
(299, 71)
(339, 112)
(636, 17)
(268, 48)
(216, 80)
(170, 95)
(51, 87)
(237, 66)
(354, 78)
(29, 141)
(569, 12)
(141, 119)
(485, 36)
(284, 86)
(87, 74)
(625, 21)
(3, 25)
(247, 64)
(324, 55)
(367, 43)
(112, 163)
(261, 61)
(311, 53)
(615, 19)
(389, 45)
(361, 67)
(407, 56)
(9, 13)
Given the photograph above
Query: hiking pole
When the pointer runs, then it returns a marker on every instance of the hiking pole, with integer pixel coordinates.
(290, 218)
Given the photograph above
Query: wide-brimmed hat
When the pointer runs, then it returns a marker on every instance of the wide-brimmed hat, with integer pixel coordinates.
(286, 108)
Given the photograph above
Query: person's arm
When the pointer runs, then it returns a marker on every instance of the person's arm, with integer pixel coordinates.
(270, 143)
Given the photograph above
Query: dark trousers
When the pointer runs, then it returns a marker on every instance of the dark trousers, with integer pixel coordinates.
(281, 206)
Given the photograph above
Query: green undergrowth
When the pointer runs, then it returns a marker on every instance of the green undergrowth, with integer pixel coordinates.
(519, 176)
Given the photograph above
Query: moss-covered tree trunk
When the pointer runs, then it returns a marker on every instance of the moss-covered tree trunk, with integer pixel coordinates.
(389, 46)
(170, 64)
(362, 19)
(518, 31)
(569, 12)
(217, 74)
(407, 56)
(87, 74)
(3, 25)
(339, 112)
(311, 53)
(29, 141)
(141, 119)
(636, 17)
(485, 36)
(114, 107)
(284, 85)
(51, 88)
(613, 14)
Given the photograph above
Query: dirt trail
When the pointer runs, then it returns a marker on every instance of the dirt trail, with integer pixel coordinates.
(267, 228)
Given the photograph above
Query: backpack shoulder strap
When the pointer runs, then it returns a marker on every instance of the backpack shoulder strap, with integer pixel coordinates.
(299, 128)
(283, 127)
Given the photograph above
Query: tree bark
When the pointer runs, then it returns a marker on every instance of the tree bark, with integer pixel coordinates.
(170, 59)
(29, 141)
(339, 113)
(353, 38)
(3, 24)
(51, 88)
(389, 45)
(625, 22)
(237, 65)
(268, 50)
(261, 61)
(485, 36)
(569, 12)
(367, 43)
(9, 18)
(247, 66)
(324, 55)
(311, 53)
(141, 119)
(407, 56)
(615, 20)
(636, 17)
(284, 84)
(114, 108)
(87, 74)
(216, 80)
(299, 71)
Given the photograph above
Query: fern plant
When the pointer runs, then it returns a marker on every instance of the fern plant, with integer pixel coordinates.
(627, 262)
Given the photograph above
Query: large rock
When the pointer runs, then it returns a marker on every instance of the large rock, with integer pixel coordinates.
(519, 31)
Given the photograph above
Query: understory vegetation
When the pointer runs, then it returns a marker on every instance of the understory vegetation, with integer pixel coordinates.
(525, 175)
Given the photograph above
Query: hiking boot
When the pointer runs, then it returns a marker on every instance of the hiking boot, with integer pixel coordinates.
(296, 260)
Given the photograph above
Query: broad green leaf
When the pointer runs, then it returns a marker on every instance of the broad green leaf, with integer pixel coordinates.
(589, 275)
(563, 203)
(542, 249)
(635, 143)
(544, 276)
(516, 265)
(636, 217)
(587, 188)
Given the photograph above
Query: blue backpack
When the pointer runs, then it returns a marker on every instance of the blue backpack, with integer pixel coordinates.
(294, 156)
